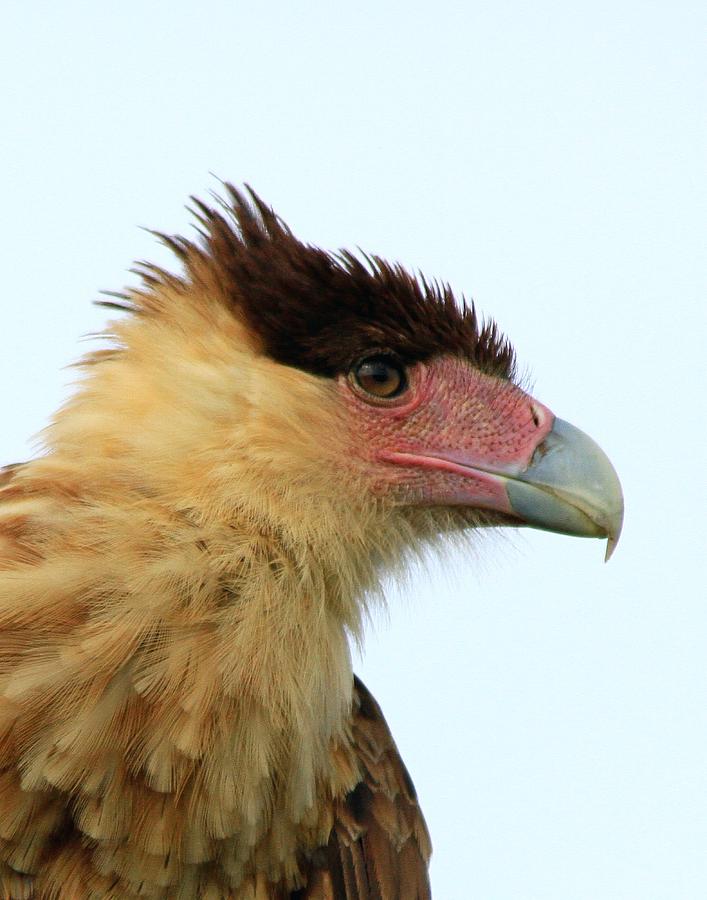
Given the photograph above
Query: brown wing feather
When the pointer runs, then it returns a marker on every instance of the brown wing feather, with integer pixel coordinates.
(379, 847)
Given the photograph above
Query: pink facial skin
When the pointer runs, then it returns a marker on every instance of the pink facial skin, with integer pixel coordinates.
(449, 436)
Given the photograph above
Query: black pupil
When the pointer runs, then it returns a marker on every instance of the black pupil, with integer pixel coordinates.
(379, 371)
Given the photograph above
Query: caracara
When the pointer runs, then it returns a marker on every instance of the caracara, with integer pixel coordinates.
(181, 572)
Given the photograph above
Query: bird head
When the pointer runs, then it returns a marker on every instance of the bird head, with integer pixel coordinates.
(331, 394)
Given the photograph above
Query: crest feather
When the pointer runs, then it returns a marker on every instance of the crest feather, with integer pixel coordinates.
(312, 309)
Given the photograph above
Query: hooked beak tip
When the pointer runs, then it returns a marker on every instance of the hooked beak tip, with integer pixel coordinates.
(613, 534)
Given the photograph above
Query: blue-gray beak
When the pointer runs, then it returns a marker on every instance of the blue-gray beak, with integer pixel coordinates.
(569, 487)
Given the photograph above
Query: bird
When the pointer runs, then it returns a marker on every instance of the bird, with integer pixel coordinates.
(265, 433)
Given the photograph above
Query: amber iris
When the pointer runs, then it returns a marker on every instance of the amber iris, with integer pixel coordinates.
(380, 376)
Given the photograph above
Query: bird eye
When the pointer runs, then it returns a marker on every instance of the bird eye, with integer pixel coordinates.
(380, 376)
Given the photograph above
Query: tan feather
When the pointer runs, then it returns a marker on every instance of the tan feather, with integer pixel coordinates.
(178, 585)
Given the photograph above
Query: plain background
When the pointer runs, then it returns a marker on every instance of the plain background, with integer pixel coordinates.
(548, 160)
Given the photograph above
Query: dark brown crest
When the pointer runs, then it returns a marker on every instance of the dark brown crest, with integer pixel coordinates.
(320, 311)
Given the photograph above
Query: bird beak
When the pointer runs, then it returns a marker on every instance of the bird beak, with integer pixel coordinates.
(569, 487)
(559, 480)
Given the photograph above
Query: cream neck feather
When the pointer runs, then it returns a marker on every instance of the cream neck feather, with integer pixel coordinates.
(204, 589)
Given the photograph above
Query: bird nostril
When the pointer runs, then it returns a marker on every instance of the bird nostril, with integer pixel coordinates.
(535, 415)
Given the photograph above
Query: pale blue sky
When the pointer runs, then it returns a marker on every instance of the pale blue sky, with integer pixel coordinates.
(548, 159)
